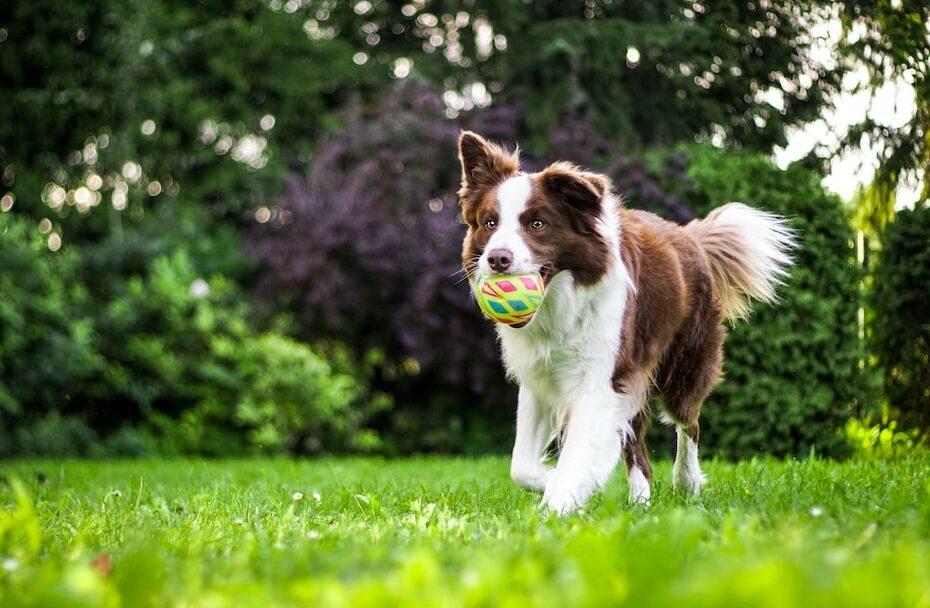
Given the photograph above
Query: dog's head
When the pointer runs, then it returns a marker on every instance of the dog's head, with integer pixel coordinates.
(521, 223)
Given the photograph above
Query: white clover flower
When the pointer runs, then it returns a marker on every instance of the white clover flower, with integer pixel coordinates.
(297, 496)
(317, 497)
(816, 511)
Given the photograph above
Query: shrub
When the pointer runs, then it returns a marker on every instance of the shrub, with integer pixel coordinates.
(56, 436)
(180, 346)
(283, 397)
(792, 372)
(899, 323)
(156, 339)
(47, 355)
(879, 440)
(115, 369)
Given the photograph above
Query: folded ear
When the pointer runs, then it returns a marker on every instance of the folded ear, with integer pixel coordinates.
(484, 164)
(579, 191)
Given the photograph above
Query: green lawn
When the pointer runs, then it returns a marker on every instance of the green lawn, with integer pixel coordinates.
(456, 532)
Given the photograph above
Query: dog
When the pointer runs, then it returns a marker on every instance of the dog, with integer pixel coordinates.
(634, 304)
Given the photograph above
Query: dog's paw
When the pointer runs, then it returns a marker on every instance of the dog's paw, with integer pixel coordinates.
(640, 491)
(531, 478)
(689, 481)
(564, 498)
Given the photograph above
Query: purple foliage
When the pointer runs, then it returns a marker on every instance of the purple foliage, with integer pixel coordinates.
(366, 247)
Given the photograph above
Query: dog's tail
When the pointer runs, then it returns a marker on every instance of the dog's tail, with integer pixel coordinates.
(749, 253)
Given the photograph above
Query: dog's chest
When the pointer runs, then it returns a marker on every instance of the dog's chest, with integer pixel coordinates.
(571, 344)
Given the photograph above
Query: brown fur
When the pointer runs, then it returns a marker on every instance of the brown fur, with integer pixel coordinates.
(673, 328)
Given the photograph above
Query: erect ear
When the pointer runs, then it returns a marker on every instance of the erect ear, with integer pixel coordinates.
(581, 191)
(484, 164)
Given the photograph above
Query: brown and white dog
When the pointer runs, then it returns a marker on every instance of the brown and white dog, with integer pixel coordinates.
(633, 303)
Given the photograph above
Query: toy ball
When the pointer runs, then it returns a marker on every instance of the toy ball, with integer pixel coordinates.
(511, 299)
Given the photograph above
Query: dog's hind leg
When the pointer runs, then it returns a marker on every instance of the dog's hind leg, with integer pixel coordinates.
(686, 474)
(684, 395)
(688, 377)
(638, 468)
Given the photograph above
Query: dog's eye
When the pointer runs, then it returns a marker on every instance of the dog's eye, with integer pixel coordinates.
(537, 224)
(490, 224)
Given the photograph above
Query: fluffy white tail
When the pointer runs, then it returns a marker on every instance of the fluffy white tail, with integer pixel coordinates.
(749, 252)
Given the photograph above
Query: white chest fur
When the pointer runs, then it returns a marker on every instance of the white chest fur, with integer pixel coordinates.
(569, 350)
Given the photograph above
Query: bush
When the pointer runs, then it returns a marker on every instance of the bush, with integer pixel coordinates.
(156, 339)
(121, 368)
(56, 436)
(181, 346)
(879, 440)
(792, 372)
(899, 323)
(282, 397)
(47, 354)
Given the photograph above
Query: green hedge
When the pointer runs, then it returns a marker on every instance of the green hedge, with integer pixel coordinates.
(792, 372)
(166, 360)
(46, 343)
(899, 321)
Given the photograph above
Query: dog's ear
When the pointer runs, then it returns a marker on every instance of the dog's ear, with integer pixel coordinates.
(484, 164)
(580, 190)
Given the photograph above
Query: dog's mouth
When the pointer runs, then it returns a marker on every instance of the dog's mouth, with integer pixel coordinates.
(546, 272)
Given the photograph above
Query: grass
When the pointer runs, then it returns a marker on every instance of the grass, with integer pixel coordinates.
(456, 532)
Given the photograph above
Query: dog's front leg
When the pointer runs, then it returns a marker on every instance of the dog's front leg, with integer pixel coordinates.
(590, 451)
(534, 432)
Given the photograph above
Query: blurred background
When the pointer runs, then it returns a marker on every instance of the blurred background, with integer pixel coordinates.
(229, 227)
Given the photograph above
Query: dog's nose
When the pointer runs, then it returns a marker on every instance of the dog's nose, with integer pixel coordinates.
(500, 259)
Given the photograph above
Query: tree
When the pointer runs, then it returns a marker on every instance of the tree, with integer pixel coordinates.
(646, 72)
(113, 108)
(890, 40)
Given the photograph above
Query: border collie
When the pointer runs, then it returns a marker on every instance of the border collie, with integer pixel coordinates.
(633, 304)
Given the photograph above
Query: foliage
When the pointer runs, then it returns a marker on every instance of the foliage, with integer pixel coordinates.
(168, 345)
(282, 397)
(47, 348)
(190, 352)
(113, 108)
(55, 435)
(644, 72)
(141, 102)
(363, 532)
(900, 316)
(366, 249)
(141, 137)
(880, 439)
(888, 39)
(792, 372)
(157, 338)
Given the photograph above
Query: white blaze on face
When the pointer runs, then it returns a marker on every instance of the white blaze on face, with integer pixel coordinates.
(512, 196)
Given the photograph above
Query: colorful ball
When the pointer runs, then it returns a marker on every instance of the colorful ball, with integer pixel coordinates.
(511, 299)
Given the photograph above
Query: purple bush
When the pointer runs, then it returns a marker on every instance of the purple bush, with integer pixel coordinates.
(365, 248)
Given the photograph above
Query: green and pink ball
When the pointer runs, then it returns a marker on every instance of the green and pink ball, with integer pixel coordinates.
(510, 299)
